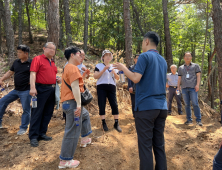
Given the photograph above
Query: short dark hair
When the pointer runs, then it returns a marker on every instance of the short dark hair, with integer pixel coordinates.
(136, 55)
(153, 37)
(24, 48)
(188, 52)
(71, 50)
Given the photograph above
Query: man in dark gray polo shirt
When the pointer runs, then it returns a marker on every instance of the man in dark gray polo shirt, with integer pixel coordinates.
(189, 79)
(172, 80)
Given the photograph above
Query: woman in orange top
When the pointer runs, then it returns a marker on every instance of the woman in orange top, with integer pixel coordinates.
(71, 104)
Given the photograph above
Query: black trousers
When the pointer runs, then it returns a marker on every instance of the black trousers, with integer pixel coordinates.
(111, 95)
(150, 130)
(133, 103)
(41, 116)
(172, 93)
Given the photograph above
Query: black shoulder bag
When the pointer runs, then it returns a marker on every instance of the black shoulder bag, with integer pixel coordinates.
(86, 96)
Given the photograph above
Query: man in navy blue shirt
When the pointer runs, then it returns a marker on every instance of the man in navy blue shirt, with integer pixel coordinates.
(151, 105)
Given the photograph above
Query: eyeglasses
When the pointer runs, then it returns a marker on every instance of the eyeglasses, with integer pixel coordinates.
(50, 48)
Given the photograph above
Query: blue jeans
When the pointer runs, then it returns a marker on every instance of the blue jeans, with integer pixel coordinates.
(217, 162)
(72, 132)
(191, 94)
(25, 99)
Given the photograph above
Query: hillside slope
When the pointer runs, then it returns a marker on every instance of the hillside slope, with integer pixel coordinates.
(187, 147)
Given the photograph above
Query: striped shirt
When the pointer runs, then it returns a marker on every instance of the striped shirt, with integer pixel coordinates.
(172, 79)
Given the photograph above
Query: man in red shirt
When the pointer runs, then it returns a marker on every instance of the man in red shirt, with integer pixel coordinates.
(42, 85)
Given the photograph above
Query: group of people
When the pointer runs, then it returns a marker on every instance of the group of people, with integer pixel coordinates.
(188, 80)
(146, 84)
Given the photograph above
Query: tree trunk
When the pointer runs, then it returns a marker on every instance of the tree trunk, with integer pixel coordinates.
(6, 17)
(86, 25)
(27, 2)
(205, 41)
(212, 91)
(91, 20)
(61, 31)
(169, 57)
(20, 22)
(0, 34)
(137, 17)
(128, 32)
(194, 53)
(53, 21)
(45, 7)
(217, 19)
(67, 22)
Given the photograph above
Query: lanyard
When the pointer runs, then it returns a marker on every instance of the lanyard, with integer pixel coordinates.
(188, 68)
(154, 51)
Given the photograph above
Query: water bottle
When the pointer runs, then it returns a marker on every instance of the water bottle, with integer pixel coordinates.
(122, 76)
(178, 92)
(34, 102)
(76, 120)
(2, 89)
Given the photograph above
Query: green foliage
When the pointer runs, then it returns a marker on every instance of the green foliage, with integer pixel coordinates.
(106, 24)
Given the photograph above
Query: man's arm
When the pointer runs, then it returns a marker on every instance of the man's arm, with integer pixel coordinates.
(167, 85)
(179, 82)
(197, 87)
(6, 76)
(33, 91)
(135, 77)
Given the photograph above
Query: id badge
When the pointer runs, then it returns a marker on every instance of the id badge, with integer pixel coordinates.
(187, 76)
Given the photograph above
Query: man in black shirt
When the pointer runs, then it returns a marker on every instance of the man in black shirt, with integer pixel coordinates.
(21, 71)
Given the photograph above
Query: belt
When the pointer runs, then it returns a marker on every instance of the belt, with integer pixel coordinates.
(51, 85)
(174, 87)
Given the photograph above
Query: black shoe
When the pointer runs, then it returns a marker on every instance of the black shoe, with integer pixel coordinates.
(105, 128)
(188, 122)
(34, 142)
(45, 138)
(199, 123)
(180, 113)
(117, 127)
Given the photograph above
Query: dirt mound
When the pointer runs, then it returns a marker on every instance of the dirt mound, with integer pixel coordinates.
(187, 147)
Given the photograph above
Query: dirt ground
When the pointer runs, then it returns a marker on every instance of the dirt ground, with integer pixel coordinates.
(187, 147)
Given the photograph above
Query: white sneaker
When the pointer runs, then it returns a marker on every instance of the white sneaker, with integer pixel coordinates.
(86, 142)
(68, 164)
(21, 132)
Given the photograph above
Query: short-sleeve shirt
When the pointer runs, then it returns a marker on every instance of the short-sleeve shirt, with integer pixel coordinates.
(192, 70)
(172, 79)
(107, 80)
(79, 67)
(45, 69)
(22, 74)
(70, 74)
(150, 90)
